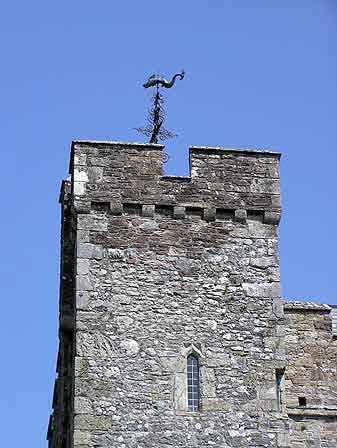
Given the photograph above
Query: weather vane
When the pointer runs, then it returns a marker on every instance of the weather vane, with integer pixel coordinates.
(154, 128)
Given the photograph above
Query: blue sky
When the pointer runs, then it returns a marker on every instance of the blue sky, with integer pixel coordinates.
(260, 74)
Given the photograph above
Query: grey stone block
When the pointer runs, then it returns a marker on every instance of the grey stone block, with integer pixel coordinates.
(278, 306)
(179, 212)
(82, 405)
(95, 174)
(240, 216)
(92, 222)
(209, 213)
(272, 217)
(80, 160)
(83, 266)
(88, 250)
(116, 208)
(263, 262)
(83, 283)
(148, 211)
(92, 422)
(82, 300)
(82, 236)
(82, 438)
(262, 289)
(82, 206)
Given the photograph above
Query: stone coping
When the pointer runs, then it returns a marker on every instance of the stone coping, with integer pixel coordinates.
(191, 148)
(309, 306)
(246, 151)
(113, 143)
(319, 411)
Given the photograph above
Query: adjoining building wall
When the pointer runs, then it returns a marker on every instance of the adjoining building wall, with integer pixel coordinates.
(311, 375)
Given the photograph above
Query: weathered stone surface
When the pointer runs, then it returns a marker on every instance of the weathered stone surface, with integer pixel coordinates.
(82, 266)
(209, 214)
(92, 223)
(82, 405)
(130, 346)
(116, 208)
(262, 289)
(90, 422)
(241, 215)
(83, 283)
(195, 272)
(82, 299)
(80, 175)
(88, 250)
(95, 174)
(82, 438)
(272, 217)
(179, 212)
(311, 374)
(148, 210)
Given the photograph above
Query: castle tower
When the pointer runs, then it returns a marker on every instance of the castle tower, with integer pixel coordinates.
(170, 306)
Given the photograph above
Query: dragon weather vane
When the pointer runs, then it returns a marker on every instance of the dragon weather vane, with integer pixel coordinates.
(156, 115)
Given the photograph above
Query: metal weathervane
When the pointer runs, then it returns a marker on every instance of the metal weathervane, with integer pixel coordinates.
(156, 115)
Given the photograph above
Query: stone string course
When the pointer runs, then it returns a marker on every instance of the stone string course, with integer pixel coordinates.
(156, 267)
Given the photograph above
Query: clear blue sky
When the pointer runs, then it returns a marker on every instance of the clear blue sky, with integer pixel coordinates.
(260, 74)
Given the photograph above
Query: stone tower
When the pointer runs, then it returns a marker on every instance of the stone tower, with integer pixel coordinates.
(172, 329)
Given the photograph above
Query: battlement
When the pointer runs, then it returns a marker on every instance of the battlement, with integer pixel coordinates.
(222, 181)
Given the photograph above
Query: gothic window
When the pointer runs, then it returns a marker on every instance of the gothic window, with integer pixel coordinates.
(193, 383)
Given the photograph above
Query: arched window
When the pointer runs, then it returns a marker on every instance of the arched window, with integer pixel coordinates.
(193, 383)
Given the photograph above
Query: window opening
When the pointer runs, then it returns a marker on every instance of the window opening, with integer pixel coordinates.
(302, 401)
(193, 383)
(279, 388)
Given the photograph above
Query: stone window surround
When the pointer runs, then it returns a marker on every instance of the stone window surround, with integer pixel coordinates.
(180, 381)
(280, 389)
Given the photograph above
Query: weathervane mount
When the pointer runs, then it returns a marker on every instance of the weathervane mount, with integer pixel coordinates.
(156, 115)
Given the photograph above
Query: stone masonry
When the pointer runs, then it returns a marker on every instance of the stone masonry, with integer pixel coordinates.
(156, 268)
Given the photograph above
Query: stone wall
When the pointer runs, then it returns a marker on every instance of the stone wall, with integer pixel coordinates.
(155, 268)
(311, 375)
(167, 266)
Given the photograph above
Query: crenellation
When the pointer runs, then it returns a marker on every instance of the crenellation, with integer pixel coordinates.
(115, 169)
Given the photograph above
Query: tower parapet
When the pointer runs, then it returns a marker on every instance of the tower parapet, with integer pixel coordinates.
(243, 182)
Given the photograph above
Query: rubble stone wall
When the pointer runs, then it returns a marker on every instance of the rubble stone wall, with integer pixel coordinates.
(155, 268)
(311, 375)
(168, 266)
